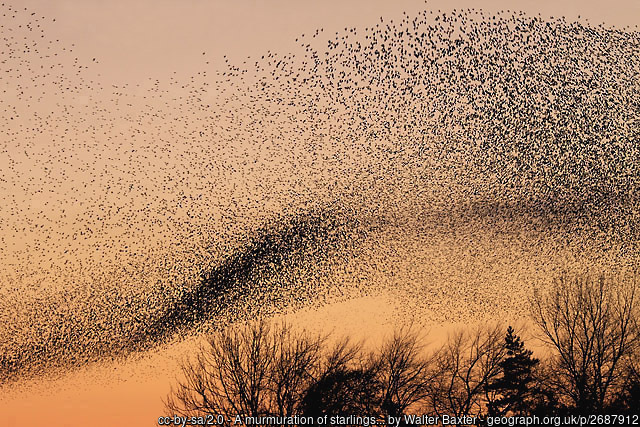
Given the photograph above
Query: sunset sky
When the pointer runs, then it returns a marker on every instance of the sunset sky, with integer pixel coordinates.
(117, 192)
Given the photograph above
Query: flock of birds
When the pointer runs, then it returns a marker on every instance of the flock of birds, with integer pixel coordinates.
(451, 159)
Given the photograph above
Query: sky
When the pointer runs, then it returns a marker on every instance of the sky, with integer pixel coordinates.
(134, 42)
(140, 39)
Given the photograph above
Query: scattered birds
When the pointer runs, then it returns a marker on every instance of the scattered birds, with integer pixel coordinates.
(451, 158)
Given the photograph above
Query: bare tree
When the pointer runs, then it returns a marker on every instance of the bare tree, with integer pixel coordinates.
(591, 324)
(466, 364)
(254, 370)
(298, 362)
(405, 372)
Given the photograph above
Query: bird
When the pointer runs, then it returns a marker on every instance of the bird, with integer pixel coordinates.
(450, 159)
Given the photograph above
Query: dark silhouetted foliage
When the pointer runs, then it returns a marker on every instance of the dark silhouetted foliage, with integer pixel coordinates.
(515, 386)
(590, 326)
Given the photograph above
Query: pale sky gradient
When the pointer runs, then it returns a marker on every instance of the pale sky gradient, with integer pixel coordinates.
(152, 38)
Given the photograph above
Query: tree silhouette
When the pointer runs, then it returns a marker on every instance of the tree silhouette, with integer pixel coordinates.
(255, 370)
(591, 325)
(351, 391)
(468, 362)
(265, 369)
(386, 382)
(405, 373)
(515, 386)
(627, 400)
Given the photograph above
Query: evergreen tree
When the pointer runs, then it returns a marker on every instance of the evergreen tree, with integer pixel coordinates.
(514, 390)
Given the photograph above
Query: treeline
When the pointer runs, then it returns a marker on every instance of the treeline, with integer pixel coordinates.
(589, 326)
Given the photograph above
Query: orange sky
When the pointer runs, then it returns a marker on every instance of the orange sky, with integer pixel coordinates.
(152, 38)
(141, 39)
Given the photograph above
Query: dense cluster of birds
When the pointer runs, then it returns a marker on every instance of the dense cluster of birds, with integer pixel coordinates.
(452, 159)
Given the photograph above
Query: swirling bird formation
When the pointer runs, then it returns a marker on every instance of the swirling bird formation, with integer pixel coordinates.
(449, 158)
